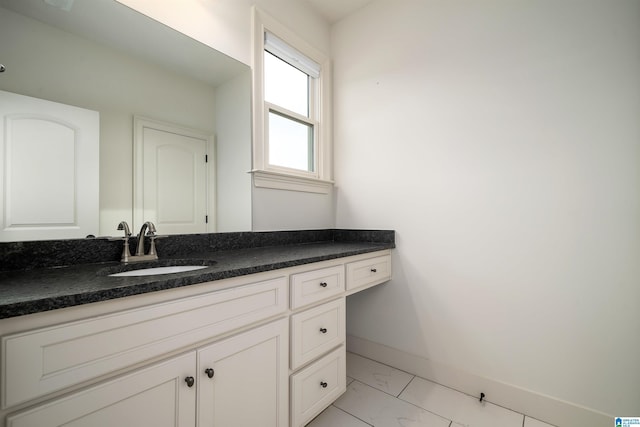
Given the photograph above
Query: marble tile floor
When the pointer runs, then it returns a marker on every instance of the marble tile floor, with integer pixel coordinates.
(381, 396)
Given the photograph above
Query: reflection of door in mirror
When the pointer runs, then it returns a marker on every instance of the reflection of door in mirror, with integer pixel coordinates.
(172, 172)
(49, 177)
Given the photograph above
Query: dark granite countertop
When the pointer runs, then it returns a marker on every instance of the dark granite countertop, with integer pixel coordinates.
(27, 291)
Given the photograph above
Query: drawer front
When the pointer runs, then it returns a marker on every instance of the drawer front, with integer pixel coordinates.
(317, 386)
(368, 272)
(45, 360)
(316, 331)
(318, 285)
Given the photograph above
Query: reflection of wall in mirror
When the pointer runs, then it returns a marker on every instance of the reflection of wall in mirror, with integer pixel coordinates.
(233, 154)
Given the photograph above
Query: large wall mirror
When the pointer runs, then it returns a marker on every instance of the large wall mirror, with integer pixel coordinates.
(147, 82)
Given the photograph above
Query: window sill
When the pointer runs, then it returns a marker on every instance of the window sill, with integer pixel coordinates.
(281, 181)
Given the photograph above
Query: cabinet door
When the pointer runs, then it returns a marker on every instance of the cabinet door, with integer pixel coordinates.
(155, 396)
(242, 380)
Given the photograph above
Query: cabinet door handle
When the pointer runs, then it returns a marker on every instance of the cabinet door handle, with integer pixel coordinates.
(323, 284)
(210, 372)
(190, 381)
(374, 270)
(323, 330)
(323, 384)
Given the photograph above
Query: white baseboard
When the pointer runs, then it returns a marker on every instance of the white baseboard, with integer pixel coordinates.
(535, 405)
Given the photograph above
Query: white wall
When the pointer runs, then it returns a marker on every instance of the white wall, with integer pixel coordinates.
(502, 141)
(226, 26)
(290, 210)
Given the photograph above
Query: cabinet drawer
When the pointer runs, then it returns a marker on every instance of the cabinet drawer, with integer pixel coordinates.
(45, 360)
(317, 285)
(368, 272)
(316, 331)
(317, 386)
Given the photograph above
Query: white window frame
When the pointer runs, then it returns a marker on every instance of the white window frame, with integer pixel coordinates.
(277, 177)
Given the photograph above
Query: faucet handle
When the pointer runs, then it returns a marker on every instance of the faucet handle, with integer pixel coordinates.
(126, 253)
(152, 246)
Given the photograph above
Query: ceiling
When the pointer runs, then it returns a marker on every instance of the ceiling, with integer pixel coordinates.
(94, 20)
(335, 10)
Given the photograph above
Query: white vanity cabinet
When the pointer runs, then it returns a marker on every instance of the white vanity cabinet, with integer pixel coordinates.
(44, 360)
(266, 349)
(213, 384)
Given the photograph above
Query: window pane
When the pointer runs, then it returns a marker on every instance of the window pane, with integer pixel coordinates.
(285, 85)
(290, 143)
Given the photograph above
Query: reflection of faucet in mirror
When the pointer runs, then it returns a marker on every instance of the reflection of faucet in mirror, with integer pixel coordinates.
(125, 248)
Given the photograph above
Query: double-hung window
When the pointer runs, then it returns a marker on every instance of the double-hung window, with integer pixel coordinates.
(291, 141)
(290, 94)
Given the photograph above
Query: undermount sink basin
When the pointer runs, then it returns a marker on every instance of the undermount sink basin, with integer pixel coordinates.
(158, 270)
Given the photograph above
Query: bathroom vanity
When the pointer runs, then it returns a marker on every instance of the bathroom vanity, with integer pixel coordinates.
(256, 337)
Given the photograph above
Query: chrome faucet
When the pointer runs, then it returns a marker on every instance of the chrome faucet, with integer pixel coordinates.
(147, 229)
(150, 230)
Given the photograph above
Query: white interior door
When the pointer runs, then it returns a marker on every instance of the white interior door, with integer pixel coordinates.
(172, 174)
(49, 169)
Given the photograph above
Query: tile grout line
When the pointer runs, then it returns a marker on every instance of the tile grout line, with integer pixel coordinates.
(404, 401)
(375, 388)
(407, 385)
(388, 366)
(351, 415)
(384, 364)
(536, 419)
